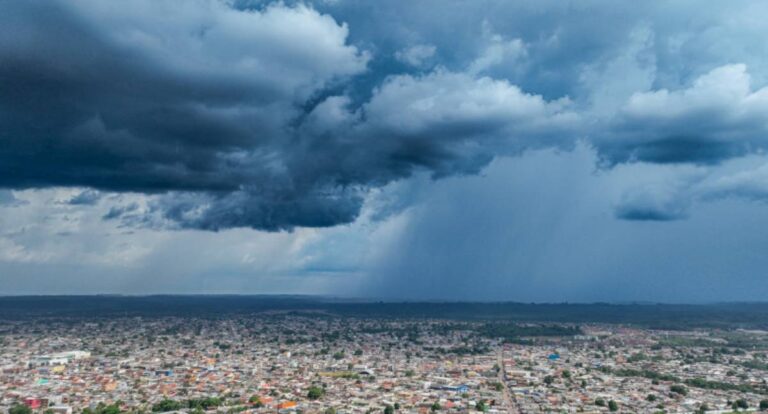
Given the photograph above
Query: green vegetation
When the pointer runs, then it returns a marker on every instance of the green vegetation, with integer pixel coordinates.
(255, 400)
(613, 406)
(740, 404)
(679, 389)
(341, 374)
(717, 385)
(600, 402)
(462, 350)
(315, 393)
(646, 373)
(513, 331)
(166, 404)
(657, 316)
(205, 403)
(102, 408)
(19, 409)
(755, 364)
(637, 357)
(695, 382)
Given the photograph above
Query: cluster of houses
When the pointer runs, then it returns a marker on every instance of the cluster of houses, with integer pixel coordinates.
(298, 364)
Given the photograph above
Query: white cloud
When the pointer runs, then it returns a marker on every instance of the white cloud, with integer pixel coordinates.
(748, 184)
(293, 50)
(724, 90)
(445, 104)
(496, 51)
(718, 117)
(417, 55)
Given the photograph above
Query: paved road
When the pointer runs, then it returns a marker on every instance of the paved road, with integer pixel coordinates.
(508, 400)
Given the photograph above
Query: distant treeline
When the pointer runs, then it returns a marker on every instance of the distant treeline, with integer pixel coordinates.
(194, 403)
(513, 332)
(692, 382)
(659, 316)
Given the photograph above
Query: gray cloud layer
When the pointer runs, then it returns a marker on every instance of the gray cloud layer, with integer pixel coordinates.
(274, 116)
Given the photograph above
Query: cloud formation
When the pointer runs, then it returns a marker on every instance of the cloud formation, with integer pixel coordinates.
(158, 97)
(282, 115)
(718, 117)
(417, 55)
(204, 105)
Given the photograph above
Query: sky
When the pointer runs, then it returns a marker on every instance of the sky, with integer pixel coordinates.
(484, 150)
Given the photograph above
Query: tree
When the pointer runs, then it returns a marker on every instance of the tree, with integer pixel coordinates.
(255, 400)
(315, 393)
(435, 406)
(549, 379)
(19, 409)
(740, 404)
(480, 406)
(166, 405)
(763, 405)
(330, 410)
(703, 408)
(566, 374)
(107, 409)
(613, 406)
(679, 389)
(599, 402)
(650, 398)
(388, 409)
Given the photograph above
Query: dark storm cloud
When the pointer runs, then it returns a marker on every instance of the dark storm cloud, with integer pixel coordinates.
(122, 101)
(644, 210)
(277, 115)
(718, 117)
(531, 229)
(208, 103)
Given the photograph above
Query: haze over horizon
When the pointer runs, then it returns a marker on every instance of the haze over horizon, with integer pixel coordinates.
(549, 151)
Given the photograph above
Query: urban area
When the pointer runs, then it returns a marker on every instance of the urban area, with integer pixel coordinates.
(316, 363)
